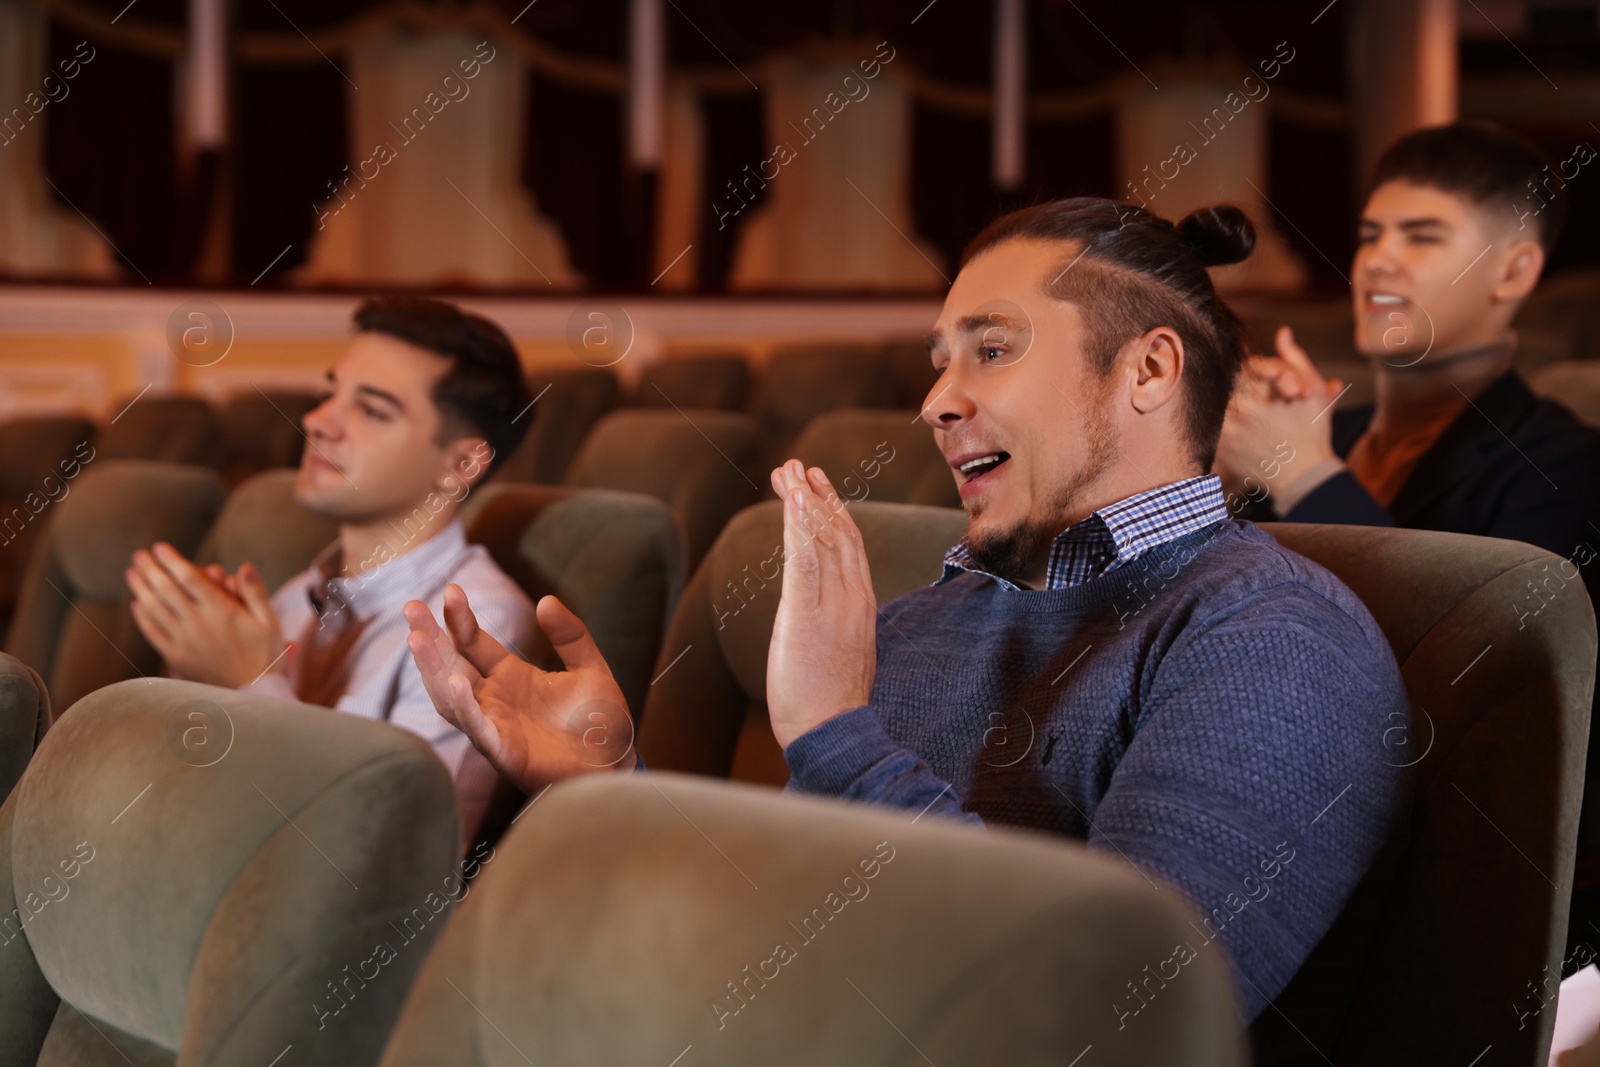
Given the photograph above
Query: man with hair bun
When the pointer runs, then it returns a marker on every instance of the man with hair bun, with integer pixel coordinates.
(1199, 696)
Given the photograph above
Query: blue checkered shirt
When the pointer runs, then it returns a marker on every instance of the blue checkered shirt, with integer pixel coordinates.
(1116, 534)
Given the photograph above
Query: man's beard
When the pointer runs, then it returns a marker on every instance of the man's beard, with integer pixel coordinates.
(1015, 552)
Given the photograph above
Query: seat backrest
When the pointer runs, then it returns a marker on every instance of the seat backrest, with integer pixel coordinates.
(645, 918)
(72, 622)
(24, 718)
(801, 383)
(707, 714)
(615, 559)
(566, 404)
(261, 430)
(38, 448)
(43, 459)
(195, 868)
(882, 455)
(177, 429)
(1496, 641)
(260, 523)
(719, 381)
(1574, 383)
(911, 367)
(701, 464)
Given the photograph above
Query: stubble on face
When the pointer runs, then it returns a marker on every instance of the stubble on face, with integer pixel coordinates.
(1016, 551)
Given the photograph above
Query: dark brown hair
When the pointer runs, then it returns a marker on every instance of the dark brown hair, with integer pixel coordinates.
(483, 391)
(1129, 271)
(1484, 164)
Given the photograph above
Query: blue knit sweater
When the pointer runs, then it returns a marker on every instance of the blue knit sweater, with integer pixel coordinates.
(1214, 712)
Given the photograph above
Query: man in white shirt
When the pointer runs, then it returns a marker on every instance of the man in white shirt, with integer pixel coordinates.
(423, 404)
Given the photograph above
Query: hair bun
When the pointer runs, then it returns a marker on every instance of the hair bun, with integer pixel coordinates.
(1219, 235)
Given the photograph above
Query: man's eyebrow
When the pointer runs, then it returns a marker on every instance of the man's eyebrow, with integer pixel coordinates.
(1424, 223)
(374, 391)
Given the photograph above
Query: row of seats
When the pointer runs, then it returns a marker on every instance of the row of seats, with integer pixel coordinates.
(705, 464)
(700, 704)
(302, 894)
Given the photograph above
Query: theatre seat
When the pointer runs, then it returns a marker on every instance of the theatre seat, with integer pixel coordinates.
(260, 523)
(1567, 304)
(567, 403)
(702, 464)
(710, 381)
(707, 714)
(194, 875)
(261, 430)
(616, 559)
(658, 919)
(24, 718)
(1500, 690)
(801, 383)
(72, 622)
(881, 455)
(1575, 384)
(177, 429)
(911, 368)
(43, 460)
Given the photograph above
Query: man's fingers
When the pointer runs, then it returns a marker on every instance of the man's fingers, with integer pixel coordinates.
(156, 606)
(568, 636)
(472, 642)
(1295, 356)
(253, 592)
(153, 631)
(155, 586)
(799, 550)
(471, 720)
(185, 575)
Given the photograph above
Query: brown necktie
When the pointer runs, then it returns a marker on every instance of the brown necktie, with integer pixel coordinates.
(325, 646)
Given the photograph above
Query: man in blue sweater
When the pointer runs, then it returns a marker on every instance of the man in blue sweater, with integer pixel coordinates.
(1208, 706)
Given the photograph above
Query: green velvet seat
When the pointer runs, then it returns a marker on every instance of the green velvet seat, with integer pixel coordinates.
(708, 380)
(193, 875)
(177, 429)
(701, 463)
(708, 713)
(1498, 744)
(1501, 703)
(879, 455)
(661, 919)
(72, 622)
(24, 718)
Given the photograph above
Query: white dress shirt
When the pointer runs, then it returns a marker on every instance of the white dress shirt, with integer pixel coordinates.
(383, 679)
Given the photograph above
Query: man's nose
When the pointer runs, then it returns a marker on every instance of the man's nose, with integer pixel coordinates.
(948, 403)
(321, 421)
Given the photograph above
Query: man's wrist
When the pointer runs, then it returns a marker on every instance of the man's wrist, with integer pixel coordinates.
(1301, 483)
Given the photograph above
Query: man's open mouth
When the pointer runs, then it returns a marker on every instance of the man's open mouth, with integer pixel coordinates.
(981, 465)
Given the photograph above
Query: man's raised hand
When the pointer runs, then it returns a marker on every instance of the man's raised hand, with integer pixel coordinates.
(536, 727)
(823, 656)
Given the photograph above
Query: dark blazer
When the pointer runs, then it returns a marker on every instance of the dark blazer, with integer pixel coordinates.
(1512, 465)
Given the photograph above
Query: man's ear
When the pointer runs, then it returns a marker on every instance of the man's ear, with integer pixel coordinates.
(1156, 363)
(468, 459)
(1520, 268)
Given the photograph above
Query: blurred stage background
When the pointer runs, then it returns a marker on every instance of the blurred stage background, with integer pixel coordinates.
(195, 193)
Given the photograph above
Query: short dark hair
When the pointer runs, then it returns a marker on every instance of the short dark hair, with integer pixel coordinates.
(1481, 162)
(1136, 271)
(484, 388)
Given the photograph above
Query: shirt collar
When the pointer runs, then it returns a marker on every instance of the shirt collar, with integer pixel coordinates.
(1117, 534)
(392, 580)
